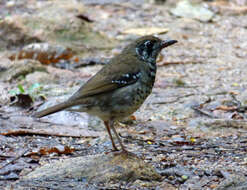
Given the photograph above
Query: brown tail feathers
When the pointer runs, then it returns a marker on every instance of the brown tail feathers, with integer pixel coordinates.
(53, 109)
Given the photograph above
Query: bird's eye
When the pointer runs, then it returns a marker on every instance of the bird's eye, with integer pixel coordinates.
(148, 44)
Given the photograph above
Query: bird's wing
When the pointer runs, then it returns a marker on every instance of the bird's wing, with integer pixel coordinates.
(110, 77)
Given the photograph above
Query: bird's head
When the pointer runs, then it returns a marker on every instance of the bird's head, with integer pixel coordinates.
(147, 48)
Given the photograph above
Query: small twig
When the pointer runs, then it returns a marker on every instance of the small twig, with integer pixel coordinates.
(199, 107)
(165, 102)
(226, 123)
(217, 93)
(134, 139)
(4, 156)
(173, 101)
(205, 102)
(178, 63)
(199, 110)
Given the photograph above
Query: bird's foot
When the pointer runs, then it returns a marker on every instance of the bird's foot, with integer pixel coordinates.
(124, 152)
(114, 149)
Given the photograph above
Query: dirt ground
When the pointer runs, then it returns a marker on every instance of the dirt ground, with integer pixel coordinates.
(192, 128)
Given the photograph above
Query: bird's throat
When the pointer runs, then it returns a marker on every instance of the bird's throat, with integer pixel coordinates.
(152, 71)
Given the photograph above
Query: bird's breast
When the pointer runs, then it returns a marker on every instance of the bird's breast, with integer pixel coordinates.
(149, 74)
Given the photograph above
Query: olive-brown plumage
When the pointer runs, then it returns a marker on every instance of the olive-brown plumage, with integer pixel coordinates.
(120, 87)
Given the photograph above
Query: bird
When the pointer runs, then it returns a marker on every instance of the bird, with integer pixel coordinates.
(119, 88)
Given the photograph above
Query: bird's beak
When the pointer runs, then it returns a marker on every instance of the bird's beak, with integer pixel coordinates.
(166, 43)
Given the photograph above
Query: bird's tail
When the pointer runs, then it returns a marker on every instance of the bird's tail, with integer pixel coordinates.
(53, 109)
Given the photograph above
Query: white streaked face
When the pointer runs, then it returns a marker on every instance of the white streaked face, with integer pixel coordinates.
(148, 50)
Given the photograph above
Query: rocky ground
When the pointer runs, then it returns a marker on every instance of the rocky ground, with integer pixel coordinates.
(191, 133)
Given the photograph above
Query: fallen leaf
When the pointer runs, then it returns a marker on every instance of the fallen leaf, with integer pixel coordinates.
(149, 142)
(57, 149)
(145, 31)
(235, 84)
(236, 116)
(43, 52)
(192, 140)
(226, 108)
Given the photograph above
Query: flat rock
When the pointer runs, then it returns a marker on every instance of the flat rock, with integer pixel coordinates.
(100, 168)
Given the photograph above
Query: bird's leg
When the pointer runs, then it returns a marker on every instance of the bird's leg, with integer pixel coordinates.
(109, 132)
(115, 132)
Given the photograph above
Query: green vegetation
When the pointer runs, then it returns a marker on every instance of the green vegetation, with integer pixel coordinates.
(34, 91)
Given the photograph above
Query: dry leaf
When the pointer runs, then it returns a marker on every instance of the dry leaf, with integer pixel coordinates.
(43, 52)
(57, 149)
(226, 108)
(145, 31)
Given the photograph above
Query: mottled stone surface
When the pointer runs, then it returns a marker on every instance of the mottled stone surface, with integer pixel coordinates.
(104, 167)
